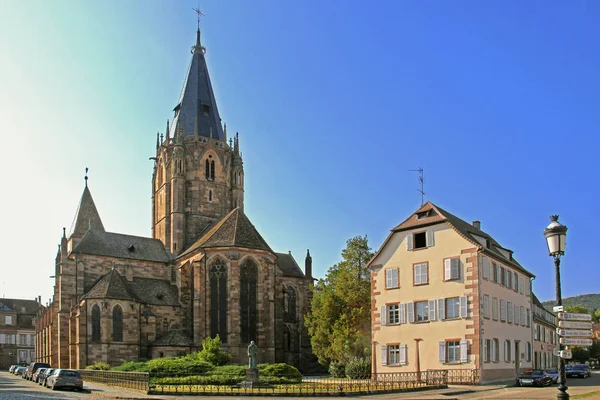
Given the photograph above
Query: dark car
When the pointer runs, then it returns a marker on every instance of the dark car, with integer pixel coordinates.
(62, 378)
(28, 374)
(578, 370)
(553, 372)
(536, 377)
(44, 375)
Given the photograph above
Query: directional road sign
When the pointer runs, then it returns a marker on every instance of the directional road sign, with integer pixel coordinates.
(574, 317)
(575, 324)
(575, 341)
(586, 333)
(566, 354)
(556, 352)
(557, 308)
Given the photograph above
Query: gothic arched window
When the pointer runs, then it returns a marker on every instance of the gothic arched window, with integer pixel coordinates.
(218, 300)
(248, 314)
(95, 323)
(210, 196)
(289, 304)
(117, 324)
(210, 168)
(207, 169)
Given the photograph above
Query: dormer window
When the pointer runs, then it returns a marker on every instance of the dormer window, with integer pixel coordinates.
(423, 214)
(420, 240)
(205, 109)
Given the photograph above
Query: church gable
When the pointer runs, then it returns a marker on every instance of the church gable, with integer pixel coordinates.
(111, 286)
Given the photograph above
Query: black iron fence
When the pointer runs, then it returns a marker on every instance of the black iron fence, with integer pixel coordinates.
(129, 380)
(463, 377)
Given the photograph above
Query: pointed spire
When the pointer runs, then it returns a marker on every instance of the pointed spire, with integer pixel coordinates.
(308, 264)
(86, 216)
(236, 144)
(225, 133)
(168, 128)
(157, 139)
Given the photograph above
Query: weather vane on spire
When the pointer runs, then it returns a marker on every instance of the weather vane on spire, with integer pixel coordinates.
(86, 177)
(200, 14)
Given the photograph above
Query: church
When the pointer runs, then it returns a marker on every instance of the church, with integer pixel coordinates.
(206, 270)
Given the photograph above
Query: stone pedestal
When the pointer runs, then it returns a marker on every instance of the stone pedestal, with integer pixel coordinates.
(251, 376)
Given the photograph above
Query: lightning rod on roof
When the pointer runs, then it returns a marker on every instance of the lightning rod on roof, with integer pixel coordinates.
(420, 171)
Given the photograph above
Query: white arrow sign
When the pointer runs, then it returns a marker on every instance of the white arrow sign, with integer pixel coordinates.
(575, 341)
(574, 317)
(557, 308)
(574, 332)
(567, 354)
(575, 324)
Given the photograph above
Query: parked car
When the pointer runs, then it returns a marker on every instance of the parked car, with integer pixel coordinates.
(65, 378)
(28, 374)
(12, 368)
(20, 371)
(553, 372)
(44, 375)
(578, 370)
(36, 374)
(536, 377)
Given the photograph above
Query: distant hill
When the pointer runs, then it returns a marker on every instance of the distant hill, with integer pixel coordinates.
(589, 301)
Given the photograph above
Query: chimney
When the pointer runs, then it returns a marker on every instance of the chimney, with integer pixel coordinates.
(477, 224)
(308, 265)
(40, 300)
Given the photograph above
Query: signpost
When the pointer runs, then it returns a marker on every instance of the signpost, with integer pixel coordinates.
(586, 333)
(575, 324)
(574, 317)
(566, 354)
(557, 308)
(575, 341)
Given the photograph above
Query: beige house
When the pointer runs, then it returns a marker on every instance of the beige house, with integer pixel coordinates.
(446, 295)
(545, 338)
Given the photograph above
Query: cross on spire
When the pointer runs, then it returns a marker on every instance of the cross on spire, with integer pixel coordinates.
(200, 14)
(86, 177)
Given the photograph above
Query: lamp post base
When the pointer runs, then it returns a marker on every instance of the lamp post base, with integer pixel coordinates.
(562, 394)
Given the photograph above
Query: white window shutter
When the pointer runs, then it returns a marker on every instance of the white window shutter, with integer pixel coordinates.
(2, 338)
(455, 266)
(411, 312)
(395, 277)
(500, 351)
(515, 281)
(441, 309)
(442, 352)
(403, 354)
(486, 268)
(383, 315)
(388, 278)
(409, 242)
(498, 275)
(383, 355)
(464, 349)
(517, 315)
(432, 308)
(430, 239)
(509, 312)
(493, 349)
(402, 313)
(463, 307)
(447, 269)
(502, 310)
(424, 277)
(417, 274)
(521, 284)
(485, 351)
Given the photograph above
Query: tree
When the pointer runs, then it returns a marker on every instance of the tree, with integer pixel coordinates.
(596, 315)
(576, 309)
(339, 322)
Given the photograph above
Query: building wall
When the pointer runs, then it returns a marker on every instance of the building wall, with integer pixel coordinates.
(545, 342)
(428, 335)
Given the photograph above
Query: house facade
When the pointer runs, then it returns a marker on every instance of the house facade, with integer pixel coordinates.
(446, 295)
(17, 331)
(545, 338)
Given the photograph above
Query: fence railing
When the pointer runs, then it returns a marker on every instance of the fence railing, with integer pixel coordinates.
(463, 377)
(130, 380)
(294, 385)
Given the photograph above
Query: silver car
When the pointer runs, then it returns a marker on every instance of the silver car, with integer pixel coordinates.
(64, 378)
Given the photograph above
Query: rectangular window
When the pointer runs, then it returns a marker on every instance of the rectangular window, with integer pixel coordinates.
(485, 268)
(394, 314)
(528, 317)
(496, 344)
(528, 351)
(495, 273)
(502, 276)
(420, 274)
(521, 284)
(502, 310)
(486, 350)
(420, 240)
(486, 306)
(509, 276)
(394, 354)
(509, 309)
(452, 308)
(515, 282)
(451, 269)
(507, 349)
(517, 315)
(8, 319)
(494, 309)
(23, 340)
(391, 278)
(422, 311)
(453, 349)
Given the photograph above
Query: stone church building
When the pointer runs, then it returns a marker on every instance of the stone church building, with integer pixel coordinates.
(206, 271)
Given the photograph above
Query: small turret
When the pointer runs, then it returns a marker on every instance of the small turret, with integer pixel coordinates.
(308, 265)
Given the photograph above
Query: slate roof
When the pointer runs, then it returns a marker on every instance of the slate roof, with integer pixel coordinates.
(86, 216)
(288, 266)
(173, 338)
(233, 230)
(154, 291)
(110, 286)
(439, 215)
(119, 245)
(17, 305)
(197, 110)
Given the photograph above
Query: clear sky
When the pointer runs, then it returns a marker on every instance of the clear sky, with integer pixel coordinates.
(334, 101)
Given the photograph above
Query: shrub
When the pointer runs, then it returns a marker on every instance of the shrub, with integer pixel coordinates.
(99, 366)
(337, 369)
(212, 352)
(198, 380)
(358, 368)
(180, 366)
(238, 370)
(278, 373)
(132, 366)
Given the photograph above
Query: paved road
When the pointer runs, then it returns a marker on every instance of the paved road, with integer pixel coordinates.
(15, 388)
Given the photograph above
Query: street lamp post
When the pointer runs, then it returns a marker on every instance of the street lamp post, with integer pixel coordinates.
(556, 238)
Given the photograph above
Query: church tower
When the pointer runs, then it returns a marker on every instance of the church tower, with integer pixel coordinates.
(198, 177)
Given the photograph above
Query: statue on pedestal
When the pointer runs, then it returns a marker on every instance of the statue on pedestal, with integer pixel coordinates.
(252, 350)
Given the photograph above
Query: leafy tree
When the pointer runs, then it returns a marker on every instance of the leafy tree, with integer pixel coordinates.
(595, 349)
(339, 322)
(212, 352)
(596, 315)
(580, 354)
(576, 309)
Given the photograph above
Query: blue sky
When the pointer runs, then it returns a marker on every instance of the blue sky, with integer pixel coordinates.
(334, 102)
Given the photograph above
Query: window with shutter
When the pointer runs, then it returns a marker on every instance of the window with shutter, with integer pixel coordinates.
(515, 282)
(409, 242)
(502, 310)
(430, 238)
(486, 306)
(517, 314)
(447, 269)
(383, 355)
(402, 313)
(464, 351)
(441, 309)
(451, 269)
(403, 354)
(485, 267)
(442, 352)
(485, 351)
(411, 312)
(420, 274)
(463, 307)
(509, 276)
(391, 278)
(494, 309)
(523, 316)
(509, 309)
(498, 275)
(528, 317)
(383, 315)
(432, 307)
(521, 284)
(395, 280)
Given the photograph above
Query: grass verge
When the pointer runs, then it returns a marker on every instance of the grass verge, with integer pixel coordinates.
(586, 395)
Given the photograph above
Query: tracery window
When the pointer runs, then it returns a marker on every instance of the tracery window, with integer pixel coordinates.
(248, 296)
(289, 304)
(95, 323)
(210, 168)
(218, 300)
(117, 324)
